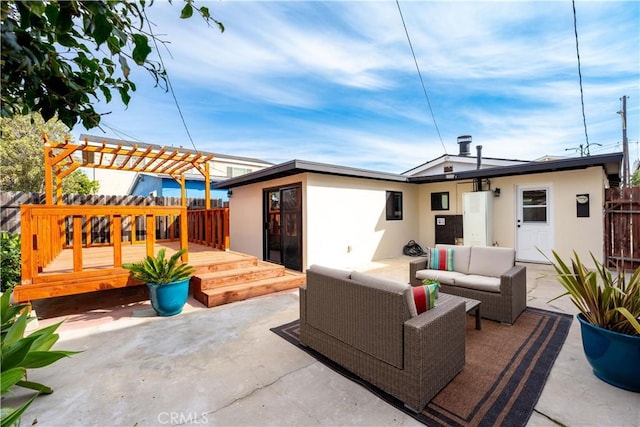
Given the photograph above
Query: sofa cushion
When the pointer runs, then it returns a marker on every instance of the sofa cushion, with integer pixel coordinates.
(461, 255)
(446, 277)
(441, 259)
(424, 297)
(480, 283)
(491, 261)
(331, 272)
(387, 285)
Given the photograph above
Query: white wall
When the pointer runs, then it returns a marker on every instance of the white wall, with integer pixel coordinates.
(344, 219)
(584, 235)
(112, 182)
(346, 223)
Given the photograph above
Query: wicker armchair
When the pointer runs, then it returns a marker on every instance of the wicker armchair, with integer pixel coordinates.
(369, 326)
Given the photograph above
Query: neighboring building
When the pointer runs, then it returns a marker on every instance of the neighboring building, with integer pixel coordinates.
(452, 163)
(301, 213)
(114, 182)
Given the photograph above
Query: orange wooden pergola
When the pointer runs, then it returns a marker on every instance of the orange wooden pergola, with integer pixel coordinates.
(62, 158)
(62, 233)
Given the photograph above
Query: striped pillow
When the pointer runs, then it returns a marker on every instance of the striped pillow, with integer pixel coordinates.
(424, 297)
(441, 259)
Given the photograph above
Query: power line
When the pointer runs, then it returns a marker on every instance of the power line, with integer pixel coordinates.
(584, 117)
(424, 89)
(169, 85)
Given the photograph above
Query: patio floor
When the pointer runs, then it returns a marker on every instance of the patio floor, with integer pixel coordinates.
(222, 366)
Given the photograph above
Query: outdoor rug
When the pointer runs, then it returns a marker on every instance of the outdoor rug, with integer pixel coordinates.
(505, 370)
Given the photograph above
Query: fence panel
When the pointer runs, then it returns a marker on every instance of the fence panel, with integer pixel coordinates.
(622, 228)
(10, 202)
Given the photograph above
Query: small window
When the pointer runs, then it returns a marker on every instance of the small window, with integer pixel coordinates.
(232, 172)
(440, 201)
(394, 205)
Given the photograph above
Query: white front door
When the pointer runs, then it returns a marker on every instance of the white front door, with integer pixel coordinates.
(534, 226)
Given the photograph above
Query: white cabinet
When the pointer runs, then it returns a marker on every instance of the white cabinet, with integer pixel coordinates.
(477, 218)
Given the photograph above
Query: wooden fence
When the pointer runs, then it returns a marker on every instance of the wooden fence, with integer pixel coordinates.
(622, 228)
(11, 202)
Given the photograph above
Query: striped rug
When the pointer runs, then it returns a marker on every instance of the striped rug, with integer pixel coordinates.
(505, 370)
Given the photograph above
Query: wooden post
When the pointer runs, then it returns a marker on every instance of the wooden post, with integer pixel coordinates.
(227, 243)
(29, 268)
(151, 234)
(48, 173)
(77, 243)
(183, 234)
(116, 227)
(207, 187)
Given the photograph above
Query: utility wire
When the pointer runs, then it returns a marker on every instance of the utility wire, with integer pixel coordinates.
(169, 85)
(584, 117)
(424, 89)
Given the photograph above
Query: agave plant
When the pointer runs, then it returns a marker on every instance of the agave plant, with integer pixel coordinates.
(20, 353)
(160, 270)
(612, 302)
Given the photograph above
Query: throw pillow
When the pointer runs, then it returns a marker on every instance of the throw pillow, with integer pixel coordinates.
(441, 259)
(424, 297)
(433, 285)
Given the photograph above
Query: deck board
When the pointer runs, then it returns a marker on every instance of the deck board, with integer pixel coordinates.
(101, 257)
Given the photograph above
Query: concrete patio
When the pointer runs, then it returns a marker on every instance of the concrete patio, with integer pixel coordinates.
(223, 366)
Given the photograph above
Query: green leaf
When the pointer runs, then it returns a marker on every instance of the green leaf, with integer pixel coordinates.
(12, 416)
(16, 331)
(124, 96)
(35, 386)
(187, 11)
(141, 49)
(39, 359)
(102, 29)
(14, 354)
(10, 377)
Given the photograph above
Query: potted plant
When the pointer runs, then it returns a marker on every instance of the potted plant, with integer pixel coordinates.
(167, 280)
(609, 308)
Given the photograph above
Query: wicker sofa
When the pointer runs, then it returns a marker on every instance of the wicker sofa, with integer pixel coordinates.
(370, 327)
(484, 273)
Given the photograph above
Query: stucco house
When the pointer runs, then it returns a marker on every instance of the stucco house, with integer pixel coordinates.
(301, 213)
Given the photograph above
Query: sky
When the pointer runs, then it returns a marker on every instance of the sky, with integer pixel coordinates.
(336, 82)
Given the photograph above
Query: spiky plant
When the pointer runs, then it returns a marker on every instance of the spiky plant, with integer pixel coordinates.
(612, 303)
(160, 270)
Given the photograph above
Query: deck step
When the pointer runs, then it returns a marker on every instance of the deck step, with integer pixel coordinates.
(241, 291)
(236, 276)
(233, 264)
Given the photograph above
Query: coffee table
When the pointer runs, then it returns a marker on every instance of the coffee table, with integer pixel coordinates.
(472, 306)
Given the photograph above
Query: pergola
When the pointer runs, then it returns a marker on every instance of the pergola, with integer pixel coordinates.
(62, 158)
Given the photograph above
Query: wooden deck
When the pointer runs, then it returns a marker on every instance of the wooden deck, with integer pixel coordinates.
(220, 276)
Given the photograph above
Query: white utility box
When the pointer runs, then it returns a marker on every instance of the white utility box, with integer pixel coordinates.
(477, 218)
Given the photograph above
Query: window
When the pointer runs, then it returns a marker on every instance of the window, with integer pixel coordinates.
(233, 172)
(440, 201)
(534, 206)
(394, 205)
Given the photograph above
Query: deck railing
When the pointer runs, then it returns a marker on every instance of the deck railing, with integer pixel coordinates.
(209, 227)
(46, 230)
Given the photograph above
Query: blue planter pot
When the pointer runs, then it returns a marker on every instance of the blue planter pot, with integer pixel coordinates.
(168, 300)
(614, 357)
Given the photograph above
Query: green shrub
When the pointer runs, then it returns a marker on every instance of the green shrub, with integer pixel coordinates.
(19, 353)
(9, 261)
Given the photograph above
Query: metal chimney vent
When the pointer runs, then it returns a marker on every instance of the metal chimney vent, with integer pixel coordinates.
(464, 141)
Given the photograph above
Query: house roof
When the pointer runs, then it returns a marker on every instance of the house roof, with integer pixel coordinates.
(610, 162)
(294, 167)
(487, 162)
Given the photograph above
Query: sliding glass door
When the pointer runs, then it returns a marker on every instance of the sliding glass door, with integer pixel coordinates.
(283, 226)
